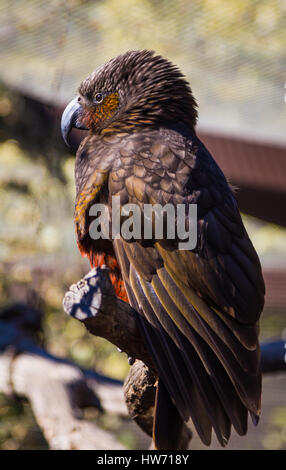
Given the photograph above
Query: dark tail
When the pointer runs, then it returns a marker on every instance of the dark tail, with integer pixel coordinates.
(169, 431)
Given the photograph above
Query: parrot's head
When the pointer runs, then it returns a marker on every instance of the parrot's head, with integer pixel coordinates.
(135, 89)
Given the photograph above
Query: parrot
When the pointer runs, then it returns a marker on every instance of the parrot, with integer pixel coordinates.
(198, 308)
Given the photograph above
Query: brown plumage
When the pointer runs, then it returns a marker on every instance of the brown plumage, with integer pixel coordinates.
(202, 306)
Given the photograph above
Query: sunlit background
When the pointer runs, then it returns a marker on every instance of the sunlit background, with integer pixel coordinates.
(234, 55)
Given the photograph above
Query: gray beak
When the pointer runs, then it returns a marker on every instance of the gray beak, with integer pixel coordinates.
(71, 118)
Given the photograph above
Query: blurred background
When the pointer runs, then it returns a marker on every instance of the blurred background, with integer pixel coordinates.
(234, 55)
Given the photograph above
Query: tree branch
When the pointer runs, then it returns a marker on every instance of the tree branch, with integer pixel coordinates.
(56, 388)
(93, 301)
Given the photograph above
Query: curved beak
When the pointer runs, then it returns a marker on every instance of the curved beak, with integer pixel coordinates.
(71, 118)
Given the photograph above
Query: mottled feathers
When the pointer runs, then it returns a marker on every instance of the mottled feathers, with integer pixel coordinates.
(202, 306)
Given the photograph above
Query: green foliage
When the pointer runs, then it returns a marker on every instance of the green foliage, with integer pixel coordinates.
(18, 429)
(276, 438)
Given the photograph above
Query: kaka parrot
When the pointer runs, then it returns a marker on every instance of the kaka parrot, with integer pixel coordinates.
(198, 309)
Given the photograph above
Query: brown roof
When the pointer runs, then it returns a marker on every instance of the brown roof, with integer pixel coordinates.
(275, 281)
(258, 171)
(249, 163)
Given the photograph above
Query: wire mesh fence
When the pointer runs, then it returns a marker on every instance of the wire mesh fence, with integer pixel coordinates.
(233, 53)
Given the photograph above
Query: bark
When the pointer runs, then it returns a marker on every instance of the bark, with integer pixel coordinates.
(92, 301)
(57, 389)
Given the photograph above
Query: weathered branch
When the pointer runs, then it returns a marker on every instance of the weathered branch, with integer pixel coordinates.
(57, 389)
(139, 392)
(92, 301)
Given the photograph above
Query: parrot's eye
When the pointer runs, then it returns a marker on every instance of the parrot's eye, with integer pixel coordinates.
(98, 97)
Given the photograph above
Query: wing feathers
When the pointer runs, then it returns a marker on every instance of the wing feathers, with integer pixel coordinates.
(193, 404)
(202, 306)
(232, 365)
(166, 305)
